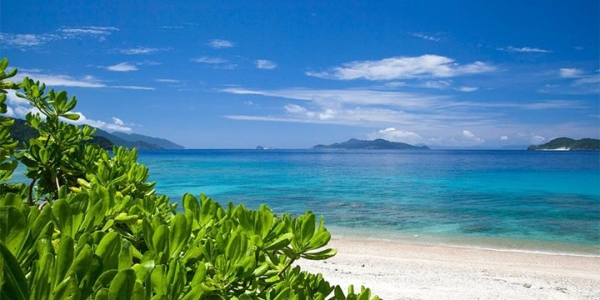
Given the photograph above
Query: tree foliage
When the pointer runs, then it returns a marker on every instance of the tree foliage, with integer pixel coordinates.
(88, 225)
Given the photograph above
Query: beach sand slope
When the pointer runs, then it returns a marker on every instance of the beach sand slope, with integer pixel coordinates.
(397, 270)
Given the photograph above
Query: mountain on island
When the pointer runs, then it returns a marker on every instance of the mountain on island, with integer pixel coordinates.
(134, 137)
(374, 144)
(568, 144)
(22, 133)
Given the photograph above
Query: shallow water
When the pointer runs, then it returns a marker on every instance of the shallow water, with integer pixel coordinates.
(486, 198)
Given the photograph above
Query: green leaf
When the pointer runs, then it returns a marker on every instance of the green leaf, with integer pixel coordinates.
(13, 228)
(139, 292)
(200, 275)
(175, 277)
(160, 285)
(195, 293)
(283, 294)
(339, 294)
(71, 116)
(92, 273)
(308, 228)
(142, 270)
(101, 294)
(179, 234)
(82, 262)
(109, 249)
(122, 285)
(42, 220)
(3, 64)
(65, 257)
(15, 284)
(42, 279)
(320, 255)
(160, 239)
(105, 279)
(67, 289)
(125, 256)
(93, 217)
(280, 242)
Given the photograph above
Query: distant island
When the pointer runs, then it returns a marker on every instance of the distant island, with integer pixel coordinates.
(374, 144)
(263, 148)
(567, 144)
(21, 132)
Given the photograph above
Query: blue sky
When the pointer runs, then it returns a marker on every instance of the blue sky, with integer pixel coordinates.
(292, 74)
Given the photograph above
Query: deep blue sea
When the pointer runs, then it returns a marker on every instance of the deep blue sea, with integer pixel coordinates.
(521, 200)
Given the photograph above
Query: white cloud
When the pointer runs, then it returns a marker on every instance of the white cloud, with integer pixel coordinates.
(395, 84)
(265, 64)
(398, 100)
(437, 84)
(536, 139)
(133, 87)
(209, 60)
(524, 50)
(581, 83)
(593, 79)
(220, 44)
(216, 62)
(570, 72)
(295, 109)
(395, 135)
(471, 138)
(551, 104)
(87, 81)
(353, 97)
(166, 80)
(116, 125)
(426, 37)
(140, 50)
(122, 67)
(172, 27)
(342, 116)
(89, 30)
(61, 80)
(467, 89)
(28, 40)
(424, 66)
(504, 138)
(22, 40)
(118, 121)
(468, 134)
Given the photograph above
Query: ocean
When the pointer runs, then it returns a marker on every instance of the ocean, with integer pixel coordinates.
(507, 200)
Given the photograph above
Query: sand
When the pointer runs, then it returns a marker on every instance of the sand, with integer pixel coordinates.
(405, 270)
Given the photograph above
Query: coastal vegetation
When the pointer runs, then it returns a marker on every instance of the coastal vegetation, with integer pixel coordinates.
(374, 144)
(568, 144)
(87, 224)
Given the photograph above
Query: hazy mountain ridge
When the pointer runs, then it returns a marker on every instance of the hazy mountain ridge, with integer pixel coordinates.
(568, 144)
(371, 144)
(134, 137)
(23, 133)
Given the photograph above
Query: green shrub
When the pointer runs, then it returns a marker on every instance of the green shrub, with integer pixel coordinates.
(88, 225)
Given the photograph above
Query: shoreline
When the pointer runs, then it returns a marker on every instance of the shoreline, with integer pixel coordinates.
(407, 270)
(490, 243)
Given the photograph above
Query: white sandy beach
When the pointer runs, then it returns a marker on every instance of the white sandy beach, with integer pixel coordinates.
(404, 270)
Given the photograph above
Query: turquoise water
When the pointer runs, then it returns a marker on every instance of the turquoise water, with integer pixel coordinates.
(543, 201)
